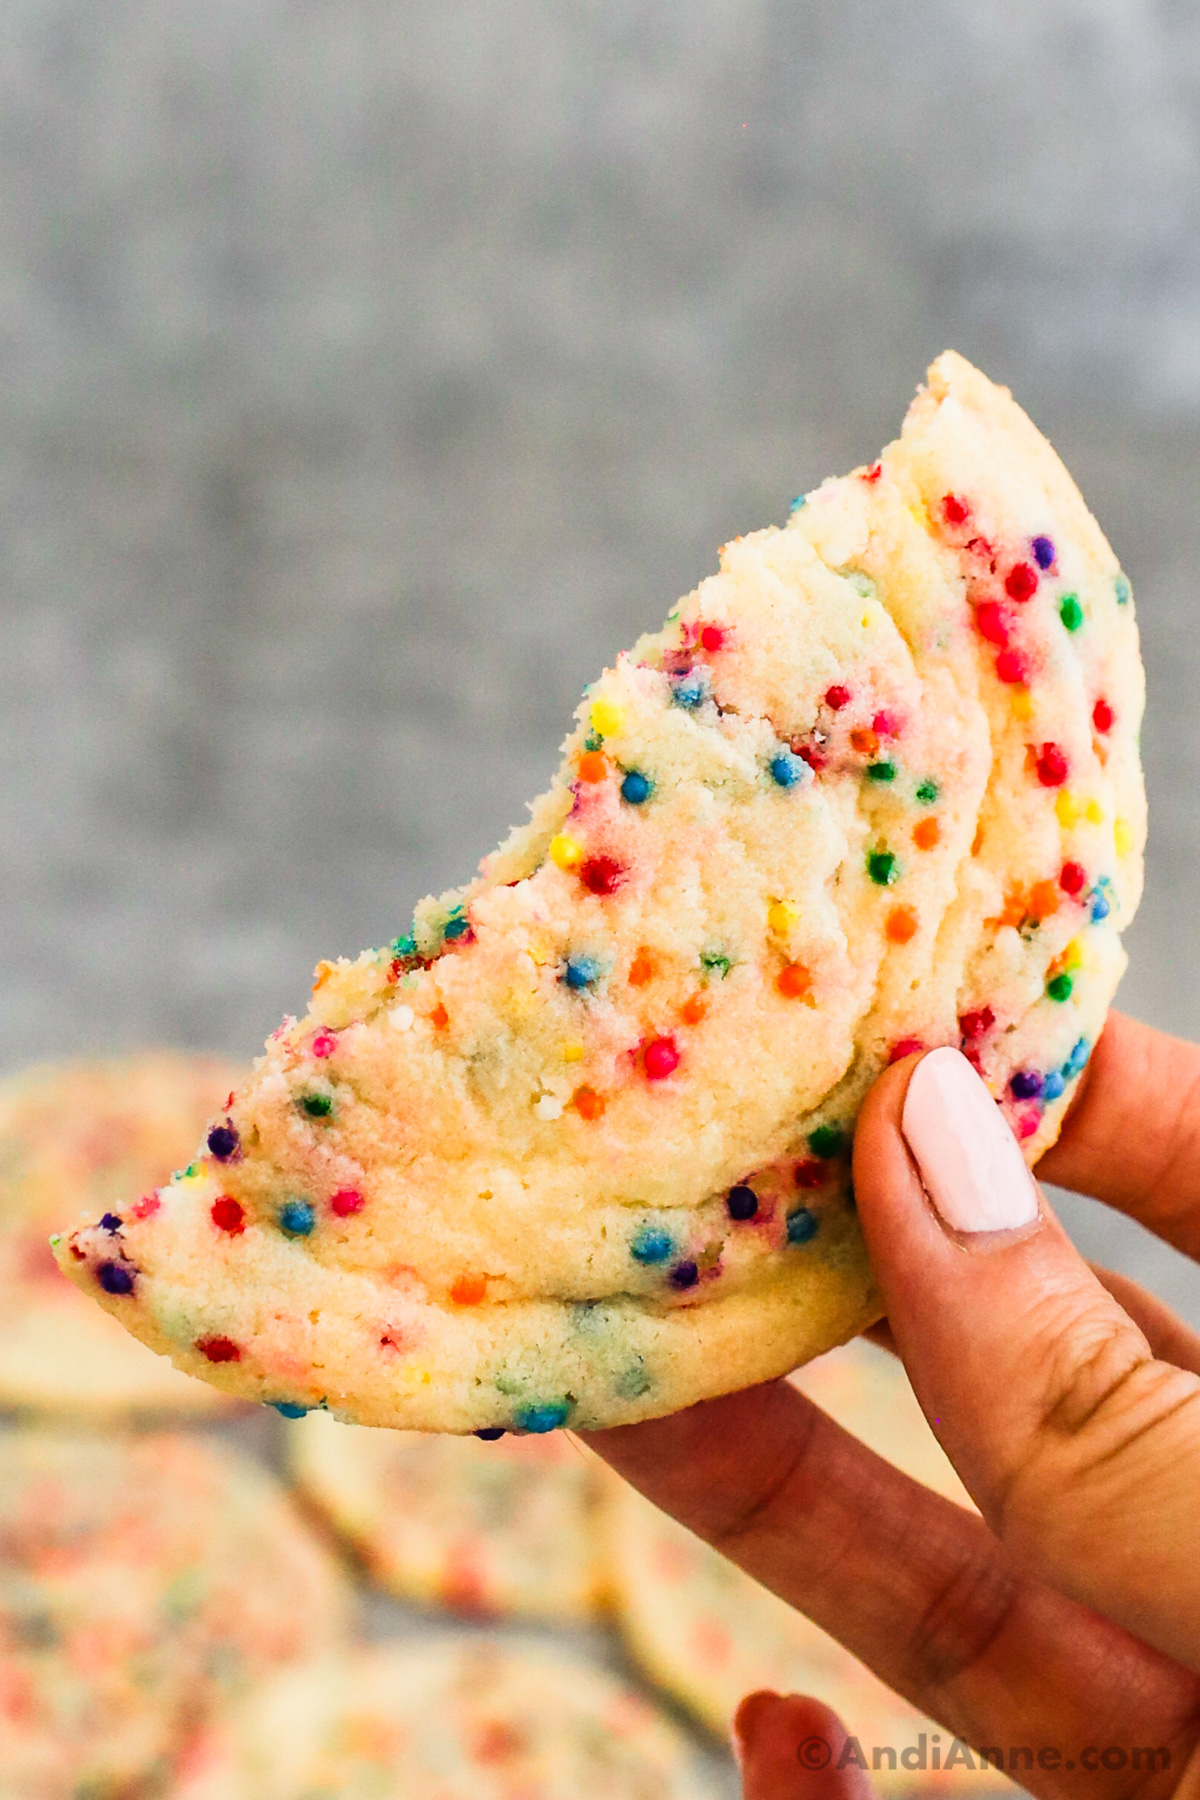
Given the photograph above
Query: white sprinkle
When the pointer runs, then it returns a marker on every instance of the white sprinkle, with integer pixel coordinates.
(549, 1106)
(402, 1018)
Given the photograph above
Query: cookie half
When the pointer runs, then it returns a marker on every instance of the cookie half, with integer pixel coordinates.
(574, 1148)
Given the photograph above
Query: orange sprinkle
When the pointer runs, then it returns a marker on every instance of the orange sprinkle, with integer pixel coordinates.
(439, 1017)
(901, 924)
(693, 1010)
(1014, 908)
(321, 975)
(593, 765)
(864, 741)
(793, 981)
(641, 969)
(469, 1290)
(1043, 899)
(587, 1103)
(926, 834)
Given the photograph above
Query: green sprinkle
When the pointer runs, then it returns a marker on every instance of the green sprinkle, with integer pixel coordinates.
(927, 793)
(1059, 987)
(316, 1106)
(827, 1141)
(1070, 612)
(633, 1382)
(799, 503)
(881, 771)
(404, 946)
(1123, 591)
(882, 868)
(715, 961)
(592, 741)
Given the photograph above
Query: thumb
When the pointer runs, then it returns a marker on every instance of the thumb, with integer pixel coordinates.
(790, 1749)
(1080, 1449)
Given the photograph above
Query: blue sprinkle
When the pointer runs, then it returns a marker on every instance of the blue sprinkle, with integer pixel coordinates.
(690, 690)
(581, 972)
(1043, 552)
(1100, 908)
(550, 1416)
(636, 787)
(110, 1222)
(799, 503)
(297, 1218)
(1026, 1084)
(652, 1245)
(788, 769)
(456, 928)
(288, 1409)
(115, 1278)
(1077, 1059)
(802, 1225)
(1053, 1086)
(404, 946)
(1123, 591)
(489, 1433)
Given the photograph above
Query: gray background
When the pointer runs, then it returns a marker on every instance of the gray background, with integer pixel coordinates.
(371, 370)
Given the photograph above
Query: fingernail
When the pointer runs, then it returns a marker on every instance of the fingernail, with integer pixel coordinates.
(969, 1160)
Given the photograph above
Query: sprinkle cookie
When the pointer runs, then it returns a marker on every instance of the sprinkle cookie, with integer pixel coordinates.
(574, 1148)
(76, 1141)
(709, 1634)
(508, 1527)
(458, 1719)
(144, 1582)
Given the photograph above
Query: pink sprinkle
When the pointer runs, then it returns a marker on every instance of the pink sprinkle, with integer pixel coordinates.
(324, 1044)
(886, 724)
(146, 1207)
(906, 1047)
(346, 1201)
(1027, 1124)
(661, 1059)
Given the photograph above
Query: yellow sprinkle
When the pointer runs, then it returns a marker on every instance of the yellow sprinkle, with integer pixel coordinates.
(1073, 956)
(782, 916)
(1095, 812)
(1122, 836)
(1022, 706)
(866, 621)
(1068, 809)
(565, 851)
(607, 717)
(321, 974)
(572, 1052)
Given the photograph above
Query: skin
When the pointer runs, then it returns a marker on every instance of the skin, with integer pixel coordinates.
(1068, 1614)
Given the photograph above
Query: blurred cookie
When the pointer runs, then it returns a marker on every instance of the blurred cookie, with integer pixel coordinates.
(145, 1583)
(505, 1527)
(78, 1139)
(462, 1719)
(709, 1634)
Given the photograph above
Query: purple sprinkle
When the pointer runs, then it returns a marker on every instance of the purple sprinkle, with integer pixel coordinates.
(489, 1433)
(224, 1142)
(1043, 552)
(684, 1275)
(1025, 1084)
(115, 1278)
(110, 1222)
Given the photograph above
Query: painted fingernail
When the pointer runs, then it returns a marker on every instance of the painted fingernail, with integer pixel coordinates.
(747, 1720)
(969, 1160)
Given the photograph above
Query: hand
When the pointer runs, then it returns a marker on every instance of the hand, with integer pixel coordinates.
(1067, 1617)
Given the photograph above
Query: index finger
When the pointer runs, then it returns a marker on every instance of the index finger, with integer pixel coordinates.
(1132, 1137)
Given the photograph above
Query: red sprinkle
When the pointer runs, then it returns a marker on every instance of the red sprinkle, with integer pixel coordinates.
(954, 510)
(1027, 1124)
(1011, 667)
(219, 1349)
(1071, 877)
(974, 1024)
(1102, 716)
(810, 1175)
(1052, 766)
(810, 754)
(146, 1206)
(886, 724)
(873, 473)
(1021, 581)
(992, 622)
(228, 1215)
(906, 1047)
(662, 1058)
(837, 697)
(324, 1044)
(712, 637)
(601, 874)
(346, 1201)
